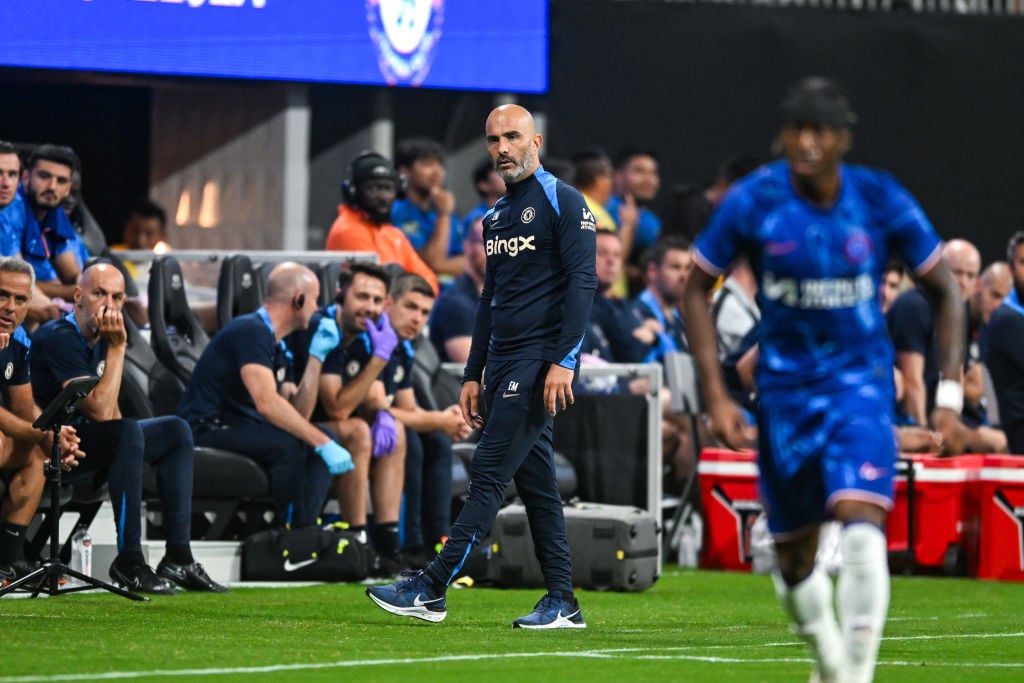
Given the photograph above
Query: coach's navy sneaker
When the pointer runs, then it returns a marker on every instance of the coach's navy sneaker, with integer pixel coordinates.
(552, 612)
(413, 596)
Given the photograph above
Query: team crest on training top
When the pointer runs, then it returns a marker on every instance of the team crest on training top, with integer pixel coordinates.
(100, 367)
(405, 35)
(858, 247)
(9, 370)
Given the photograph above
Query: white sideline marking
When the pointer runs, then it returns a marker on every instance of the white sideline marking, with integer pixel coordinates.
(610, 653)
(1019, 634)
(970, 615)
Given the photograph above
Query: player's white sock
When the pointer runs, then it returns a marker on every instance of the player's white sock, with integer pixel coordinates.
(809, 606)
(863, 597)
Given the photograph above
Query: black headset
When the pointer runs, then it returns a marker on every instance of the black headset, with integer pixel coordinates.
(348, 187)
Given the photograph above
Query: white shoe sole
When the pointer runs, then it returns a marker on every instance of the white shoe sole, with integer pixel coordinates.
(417, 612)
(557, 623)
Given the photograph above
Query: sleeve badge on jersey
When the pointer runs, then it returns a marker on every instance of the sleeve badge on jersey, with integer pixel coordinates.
(588, 222)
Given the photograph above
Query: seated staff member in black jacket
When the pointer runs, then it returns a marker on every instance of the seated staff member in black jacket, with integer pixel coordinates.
(91, 340)
(234, 400)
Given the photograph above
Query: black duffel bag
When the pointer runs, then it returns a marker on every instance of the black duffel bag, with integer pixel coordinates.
(312, 553)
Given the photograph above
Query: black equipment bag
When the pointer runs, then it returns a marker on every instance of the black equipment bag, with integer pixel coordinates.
(310, 553)
(613, 547)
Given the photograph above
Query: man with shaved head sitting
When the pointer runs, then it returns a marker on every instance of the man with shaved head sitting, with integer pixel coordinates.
(91, 341)
(235, 398)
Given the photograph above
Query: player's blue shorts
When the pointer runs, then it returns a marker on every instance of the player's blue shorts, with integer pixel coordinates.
(816, 449)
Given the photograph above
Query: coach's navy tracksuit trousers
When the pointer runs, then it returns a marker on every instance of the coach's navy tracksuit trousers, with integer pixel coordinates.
(515, 445)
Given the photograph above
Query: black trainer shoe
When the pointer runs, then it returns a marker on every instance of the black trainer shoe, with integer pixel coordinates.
(139, 578)
(418, 557)
(388, 566)
(188, 576)
(9, 573)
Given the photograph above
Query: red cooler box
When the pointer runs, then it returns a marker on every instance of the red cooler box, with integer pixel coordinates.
(1000, 493)
(728, 485)
(932, 513)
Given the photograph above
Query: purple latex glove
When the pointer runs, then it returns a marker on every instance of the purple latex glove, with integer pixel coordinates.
(383, 336)
(384, 435)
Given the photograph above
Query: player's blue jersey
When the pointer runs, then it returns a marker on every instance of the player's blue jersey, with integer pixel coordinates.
(418, 225)
(540, 279)
(12, 226)
(818, 271)
(648, 226)
(39, 242)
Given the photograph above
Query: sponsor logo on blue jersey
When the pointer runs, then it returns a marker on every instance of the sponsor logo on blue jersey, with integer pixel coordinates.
(819, 293)
(511, 246)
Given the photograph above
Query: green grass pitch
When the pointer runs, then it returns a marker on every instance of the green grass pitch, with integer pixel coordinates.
(690, 626)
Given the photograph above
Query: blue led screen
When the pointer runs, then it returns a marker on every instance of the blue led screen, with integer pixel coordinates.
(456, 44)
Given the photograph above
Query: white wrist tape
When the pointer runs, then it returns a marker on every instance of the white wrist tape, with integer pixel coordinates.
(950, 394)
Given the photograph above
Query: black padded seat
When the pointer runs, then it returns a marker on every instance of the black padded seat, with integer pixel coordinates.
(176, 334)
(238, 289)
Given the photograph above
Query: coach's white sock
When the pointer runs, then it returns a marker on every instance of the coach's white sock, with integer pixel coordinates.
(863, 597)
(809, 606)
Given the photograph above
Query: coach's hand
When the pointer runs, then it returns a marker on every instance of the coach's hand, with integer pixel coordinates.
(558, 389)
(469, 404)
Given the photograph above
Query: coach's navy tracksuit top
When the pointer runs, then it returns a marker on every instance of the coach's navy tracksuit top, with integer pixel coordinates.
(540, 281)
